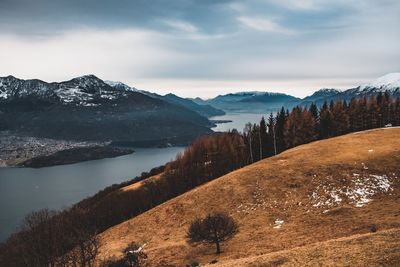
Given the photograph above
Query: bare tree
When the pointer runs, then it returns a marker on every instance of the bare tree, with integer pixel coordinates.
(213, 229)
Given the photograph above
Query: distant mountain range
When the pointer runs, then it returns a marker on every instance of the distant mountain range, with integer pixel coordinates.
(87, 108)
(388, 83)
(266, 101)
(249, 101)
(203, 109)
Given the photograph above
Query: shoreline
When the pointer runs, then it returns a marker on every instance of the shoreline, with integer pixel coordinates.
(75, 155)
(25, 151)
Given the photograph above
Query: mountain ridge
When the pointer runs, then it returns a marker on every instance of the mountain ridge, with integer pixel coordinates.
(86, 108)
(388, 83)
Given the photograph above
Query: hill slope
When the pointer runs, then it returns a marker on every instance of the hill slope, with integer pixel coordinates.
(313, 193)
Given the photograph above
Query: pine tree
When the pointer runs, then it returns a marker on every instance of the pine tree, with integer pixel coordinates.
(299, 127)
(341, 122)
(264, 139)
(247, 132)
(272, 146)
(325, 122)
(314, 112)
(279, 130)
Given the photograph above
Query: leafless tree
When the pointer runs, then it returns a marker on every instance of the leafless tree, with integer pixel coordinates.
(213, 229)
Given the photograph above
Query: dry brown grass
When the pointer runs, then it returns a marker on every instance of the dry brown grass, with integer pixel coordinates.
(372, 249)
(277, 188)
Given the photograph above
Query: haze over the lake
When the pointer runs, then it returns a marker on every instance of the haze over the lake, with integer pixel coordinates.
(203, 48)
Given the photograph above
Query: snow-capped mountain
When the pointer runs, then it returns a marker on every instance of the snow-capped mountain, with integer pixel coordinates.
(87, 108)
(326, 92)
(320, 96)
(121, 86)
(389, 82)
(86, 90)
(11, 87)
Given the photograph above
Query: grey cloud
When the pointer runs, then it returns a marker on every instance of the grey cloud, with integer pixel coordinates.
(201, 40)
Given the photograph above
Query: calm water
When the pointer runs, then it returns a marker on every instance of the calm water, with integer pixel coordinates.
(239, 120)
(23, 190)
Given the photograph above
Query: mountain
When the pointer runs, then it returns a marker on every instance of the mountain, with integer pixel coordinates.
(319, 96)
(252, 101)
(265, 101)
(204, 110)
(388, 83)
(87, 108)
(291, 209)
(199, 101)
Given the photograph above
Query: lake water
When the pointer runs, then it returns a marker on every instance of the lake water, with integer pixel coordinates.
(239, 120)
(23, 190)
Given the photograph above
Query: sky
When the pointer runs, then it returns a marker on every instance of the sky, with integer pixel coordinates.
(203, 47)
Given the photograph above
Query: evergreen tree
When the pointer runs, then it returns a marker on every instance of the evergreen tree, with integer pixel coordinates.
(299, 127)
(280, 130)
(271, 145)
(264, 139)
(325, 122)
(341, 122)
(314, 112)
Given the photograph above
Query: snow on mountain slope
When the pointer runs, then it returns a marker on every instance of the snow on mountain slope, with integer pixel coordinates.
(388, 82)
(121, 85)
(87, 90)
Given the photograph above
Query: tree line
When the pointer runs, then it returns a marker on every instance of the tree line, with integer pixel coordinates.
(208, 157)
(306, 124)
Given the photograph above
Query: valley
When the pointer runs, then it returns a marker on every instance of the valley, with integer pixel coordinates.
(198, 133)
(76, 123)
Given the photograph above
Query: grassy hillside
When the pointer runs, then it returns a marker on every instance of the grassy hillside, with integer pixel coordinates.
(325, 190)
(372, 249)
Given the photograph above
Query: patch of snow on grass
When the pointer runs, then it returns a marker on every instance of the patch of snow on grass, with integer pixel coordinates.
(358, 192)
(278, 223)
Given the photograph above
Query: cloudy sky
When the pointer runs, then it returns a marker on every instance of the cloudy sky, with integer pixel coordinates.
(203, 47)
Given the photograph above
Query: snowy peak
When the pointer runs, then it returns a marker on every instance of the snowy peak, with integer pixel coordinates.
(388, 82)
(322, 93)
(121, 86)
(11, 87)
(87, 90)
(329, 91)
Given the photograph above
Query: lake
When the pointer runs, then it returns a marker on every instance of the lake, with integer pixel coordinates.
(239, 120)
(23, 190)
